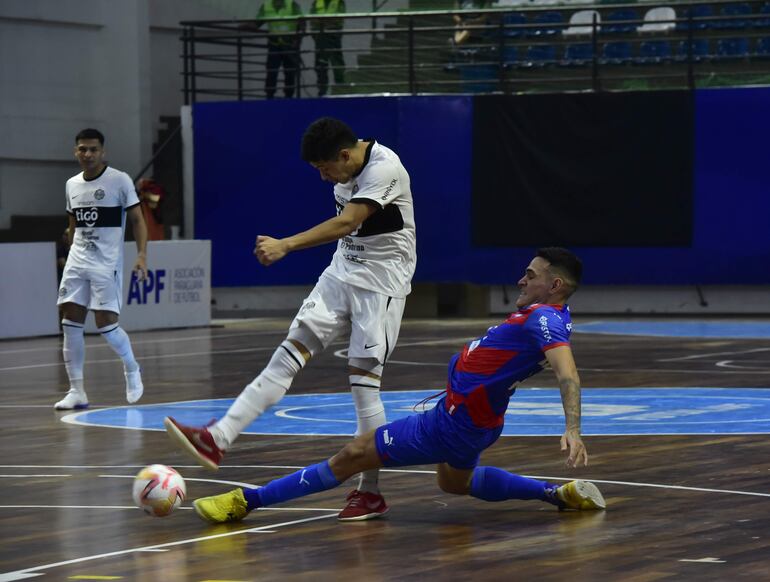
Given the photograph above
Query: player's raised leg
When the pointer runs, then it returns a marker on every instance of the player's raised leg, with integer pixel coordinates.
(357, 456)
(207, 445)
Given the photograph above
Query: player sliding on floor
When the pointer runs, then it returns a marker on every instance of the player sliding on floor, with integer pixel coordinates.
(470, 416)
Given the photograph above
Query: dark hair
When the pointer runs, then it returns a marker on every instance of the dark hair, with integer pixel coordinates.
(90, 133)
(565, 263)
(324, 138)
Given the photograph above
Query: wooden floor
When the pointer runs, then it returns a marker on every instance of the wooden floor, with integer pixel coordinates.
(679, 507)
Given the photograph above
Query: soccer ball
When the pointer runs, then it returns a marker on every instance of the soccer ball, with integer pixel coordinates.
(159, 490)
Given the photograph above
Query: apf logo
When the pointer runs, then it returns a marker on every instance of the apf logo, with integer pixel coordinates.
(88, 216)
(140, 291)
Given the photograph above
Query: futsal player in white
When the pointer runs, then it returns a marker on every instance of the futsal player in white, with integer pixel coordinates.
(98, 201)
(362, 292)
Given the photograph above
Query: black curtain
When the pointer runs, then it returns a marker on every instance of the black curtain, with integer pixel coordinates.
(599, 169)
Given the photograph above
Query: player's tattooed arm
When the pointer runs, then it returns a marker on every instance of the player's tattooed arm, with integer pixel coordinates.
(563, 365)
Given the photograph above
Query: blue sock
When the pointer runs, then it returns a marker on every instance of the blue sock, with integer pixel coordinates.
(493, 484)
(306, 481)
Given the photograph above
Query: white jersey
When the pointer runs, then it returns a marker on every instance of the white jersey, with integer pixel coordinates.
(380, 255)
(99, 208)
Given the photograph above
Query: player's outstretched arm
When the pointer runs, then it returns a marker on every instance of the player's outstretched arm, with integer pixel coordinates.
(268, 250)
(563, 364)
(140, 234)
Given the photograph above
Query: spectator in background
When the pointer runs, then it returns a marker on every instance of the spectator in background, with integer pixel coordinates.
(284, 37)
(151, 195)
(328, 43)
(462, 34)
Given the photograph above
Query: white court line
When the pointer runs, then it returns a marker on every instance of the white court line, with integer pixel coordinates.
(24, 573)
(415, 471)
(659, 486)
(97, 345)
(672, 371)
(30, 476)
(711, 355)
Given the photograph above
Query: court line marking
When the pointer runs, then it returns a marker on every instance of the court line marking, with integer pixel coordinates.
(712, 354)
(416, 471)
(195, 354)
(98, 345)
(23, 573)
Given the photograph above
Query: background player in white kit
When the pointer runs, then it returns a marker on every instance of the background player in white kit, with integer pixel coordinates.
(362, 291)
(98, 201)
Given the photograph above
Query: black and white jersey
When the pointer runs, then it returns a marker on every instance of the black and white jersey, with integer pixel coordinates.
(381, 254)
(99, 208)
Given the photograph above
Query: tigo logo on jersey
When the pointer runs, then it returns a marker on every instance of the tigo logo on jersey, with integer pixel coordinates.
(149, 289)
(89, 216)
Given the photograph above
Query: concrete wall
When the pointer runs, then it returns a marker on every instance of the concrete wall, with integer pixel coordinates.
(70, 64)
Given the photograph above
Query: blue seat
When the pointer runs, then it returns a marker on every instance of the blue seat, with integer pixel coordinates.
(546, 22)
(654, 51)
(617, 53)
(763, 48)
(616, 15)
(733, 48)
(578, 54)
(763, 22)
(513, 19)
(734, 12)
(510, 55)
(700, 50)
(697, 12)
(541, 55)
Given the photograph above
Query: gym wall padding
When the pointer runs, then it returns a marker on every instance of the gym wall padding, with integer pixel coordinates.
(250, 180)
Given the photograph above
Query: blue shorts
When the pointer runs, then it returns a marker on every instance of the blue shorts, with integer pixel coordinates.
(433, 437)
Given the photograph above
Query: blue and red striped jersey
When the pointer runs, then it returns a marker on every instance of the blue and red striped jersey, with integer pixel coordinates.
(484, 375)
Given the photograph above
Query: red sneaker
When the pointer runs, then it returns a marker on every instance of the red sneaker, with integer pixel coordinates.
(363, 505)
(198, 442)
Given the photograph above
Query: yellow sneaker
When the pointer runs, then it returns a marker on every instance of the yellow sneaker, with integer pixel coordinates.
(580, 495)
(230, 506)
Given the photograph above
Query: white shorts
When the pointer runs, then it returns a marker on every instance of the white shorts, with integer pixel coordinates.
(96, 290)
(372, 319)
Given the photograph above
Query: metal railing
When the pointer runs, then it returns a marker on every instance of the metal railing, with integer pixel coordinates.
(513, 50)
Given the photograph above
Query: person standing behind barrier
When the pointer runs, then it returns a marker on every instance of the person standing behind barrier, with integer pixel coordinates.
(98, 201)
(328, 43)
(361, 294)
(284, 37)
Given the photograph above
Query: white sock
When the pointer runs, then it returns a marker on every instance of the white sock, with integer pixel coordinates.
(74, 352)
(370, 413)
(120, 344)
(259, 395)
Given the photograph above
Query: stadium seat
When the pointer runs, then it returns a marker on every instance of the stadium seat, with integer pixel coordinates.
(581, 23)
(547, 23)
(578, 54)
(658, 20)
(510, 55)
(618, 15)
(763, 22)
(698, 13)
(617, 53)
(514, 19)
(733, 48)
(540, 55)
(700, 50)
(763, 48)
(654, 51)
(733, 12)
